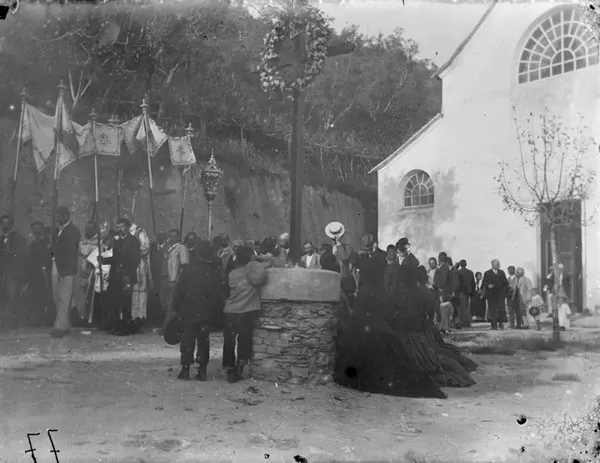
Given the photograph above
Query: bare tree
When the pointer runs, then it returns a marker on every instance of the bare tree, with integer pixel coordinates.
(548, 183)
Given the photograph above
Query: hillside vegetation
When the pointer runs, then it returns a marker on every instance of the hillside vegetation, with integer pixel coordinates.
(197, 62)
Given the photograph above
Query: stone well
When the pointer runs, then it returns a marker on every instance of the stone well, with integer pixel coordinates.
(294, 335)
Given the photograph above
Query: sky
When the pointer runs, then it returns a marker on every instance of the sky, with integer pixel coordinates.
(438, 28)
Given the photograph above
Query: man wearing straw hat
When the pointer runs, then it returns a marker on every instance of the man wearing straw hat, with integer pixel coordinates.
(342, 252)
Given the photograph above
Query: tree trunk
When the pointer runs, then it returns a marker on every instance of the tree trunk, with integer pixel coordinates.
(557, 284)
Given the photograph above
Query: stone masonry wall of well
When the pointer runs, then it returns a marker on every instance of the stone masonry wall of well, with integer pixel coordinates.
(294, 342)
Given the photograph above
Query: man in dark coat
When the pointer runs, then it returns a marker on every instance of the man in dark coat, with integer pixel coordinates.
(454, 280)
(372, 267)
(407, 258)
(466, 288)
(13, 256)
(495, 284)
(196, 301)
(390, 274)
(65, 252)
(442, 281)
(123, 275)
(39, 267)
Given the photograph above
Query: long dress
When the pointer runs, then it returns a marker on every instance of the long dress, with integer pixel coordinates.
(139, 295)
(393, 348)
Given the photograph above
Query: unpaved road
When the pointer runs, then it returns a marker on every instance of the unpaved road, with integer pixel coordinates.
(118, 400)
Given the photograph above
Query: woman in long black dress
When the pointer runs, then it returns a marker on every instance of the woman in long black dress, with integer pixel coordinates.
(393, 349)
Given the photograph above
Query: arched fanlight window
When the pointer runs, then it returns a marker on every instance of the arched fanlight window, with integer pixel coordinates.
(561, 43)
(418, 190)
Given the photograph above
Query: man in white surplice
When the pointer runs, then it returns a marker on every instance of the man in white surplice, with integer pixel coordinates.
(139, 302)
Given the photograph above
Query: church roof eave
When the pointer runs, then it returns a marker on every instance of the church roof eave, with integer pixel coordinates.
(411, 141)
(465, 42)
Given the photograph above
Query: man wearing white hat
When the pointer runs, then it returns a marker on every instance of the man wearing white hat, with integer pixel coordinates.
(342, 251)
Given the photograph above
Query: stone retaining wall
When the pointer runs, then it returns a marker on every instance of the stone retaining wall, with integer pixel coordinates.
(294, 342)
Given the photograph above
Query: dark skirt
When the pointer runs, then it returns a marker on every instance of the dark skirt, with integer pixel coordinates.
(397, 351)
(368, 360)
(478, 306)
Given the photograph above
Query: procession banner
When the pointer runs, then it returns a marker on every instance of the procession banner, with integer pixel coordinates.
(181, 151)
(39, 128)
(108, 140)
(156, 139)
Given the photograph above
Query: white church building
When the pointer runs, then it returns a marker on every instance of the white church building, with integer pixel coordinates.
(438, 189)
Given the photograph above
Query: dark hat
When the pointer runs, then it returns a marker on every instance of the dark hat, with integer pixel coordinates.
(221, 239)
(172, 334)
(402, 242)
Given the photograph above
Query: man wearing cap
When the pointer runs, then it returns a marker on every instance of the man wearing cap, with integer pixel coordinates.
(242, 306)
(406, 258)
(197, 301)
(65, 252)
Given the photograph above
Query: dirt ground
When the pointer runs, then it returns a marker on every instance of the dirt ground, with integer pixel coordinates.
(118, 400)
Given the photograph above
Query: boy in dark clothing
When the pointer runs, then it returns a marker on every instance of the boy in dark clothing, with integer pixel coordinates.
(196, 301)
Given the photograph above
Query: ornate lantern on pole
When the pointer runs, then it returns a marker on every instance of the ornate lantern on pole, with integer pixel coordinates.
(211, 177)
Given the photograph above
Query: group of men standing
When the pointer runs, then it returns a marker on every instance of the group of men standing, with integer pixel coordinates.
(46, 267)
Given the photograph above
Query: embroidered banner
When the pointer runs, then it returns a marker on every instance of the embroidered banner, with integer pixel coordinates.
(181, 151)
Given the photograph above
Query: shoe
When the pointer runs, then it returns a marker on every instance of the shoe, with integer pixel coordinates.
(240, 370)
(59, 333)
(201, 375)
(184, 374)
(232, 376)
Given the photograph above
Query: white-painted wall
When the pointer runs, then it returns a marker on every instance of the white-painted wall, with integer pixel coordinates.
(463, 150)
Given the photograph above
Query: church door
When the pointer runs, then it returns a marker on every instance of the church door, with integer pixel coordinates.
(568, 243)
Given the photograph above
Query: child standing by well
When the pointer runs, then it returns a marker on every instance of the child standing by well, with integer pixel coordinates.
(563, 313)
(536, 307)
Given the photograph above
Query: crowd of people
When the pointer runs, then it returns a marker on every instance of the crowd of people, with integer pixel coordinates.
(216, 284)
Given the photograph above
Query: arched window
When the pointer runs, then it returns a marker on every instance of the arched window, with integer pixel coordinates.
(418, 190)
(560, 43)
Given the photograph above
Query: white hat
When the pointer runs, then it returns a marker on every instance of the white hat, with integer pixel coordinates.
(335, 230)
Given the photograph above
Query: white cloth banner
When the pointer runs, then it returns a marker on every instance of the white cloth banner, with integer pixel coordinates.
(181, 151)
(157, 137)
(108, 140)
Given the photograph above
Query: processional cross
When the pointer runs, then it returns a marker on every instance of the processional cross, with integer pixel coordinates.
(292, 54)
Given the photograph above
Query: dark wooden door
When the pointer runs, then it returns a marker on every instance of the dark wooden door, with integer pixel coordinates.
(568, 243)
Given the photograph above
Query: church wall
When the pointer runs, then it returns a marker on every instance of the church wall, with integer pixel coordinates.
(478, 131)
(574, 98)
(484, 68)
(467, 220)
